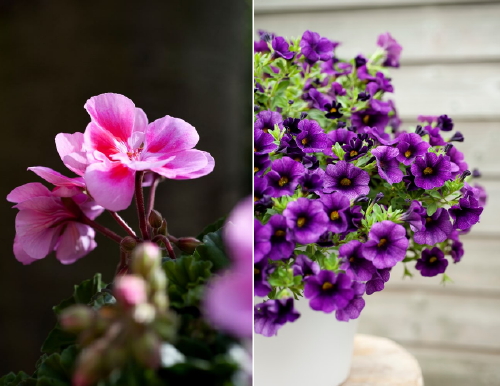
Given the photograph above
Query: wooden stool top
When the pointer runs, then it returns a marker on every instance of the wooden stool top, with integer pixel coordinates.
(381, 362)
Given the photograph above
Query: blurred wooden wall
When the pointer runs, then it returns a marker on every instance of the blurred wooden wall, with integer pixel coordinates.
(187, 59)
(450, 65)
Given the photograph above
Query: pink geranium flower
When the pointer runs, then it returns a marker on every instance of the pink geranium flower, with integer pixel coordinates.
(49, 221)
(229, 300)
(118, 142)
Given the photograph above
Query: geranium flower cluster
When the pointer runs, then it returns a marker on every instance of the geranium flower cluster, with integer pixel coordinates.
(342, 192)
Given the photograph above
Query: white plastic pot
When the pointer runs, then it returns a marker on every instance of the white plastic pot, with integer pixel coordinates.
(315, 350)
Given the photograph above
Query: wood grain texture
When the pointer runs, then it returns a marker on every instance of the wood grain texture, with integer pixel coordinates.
(381, 362)
(433, 318)
(428, 33)
(451, 367)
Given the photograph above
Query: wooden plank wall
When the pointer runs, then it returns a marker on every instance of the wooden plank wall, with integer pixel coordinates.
(450, 65)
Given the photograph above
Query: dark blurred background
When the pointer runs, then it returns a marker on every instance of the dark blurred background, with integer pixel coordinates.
(187, 59)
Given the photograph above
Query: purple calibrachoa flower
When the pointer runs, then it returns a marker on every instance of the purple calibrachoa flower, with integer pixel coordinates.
(328, 291)
(411, 146)
(466, 213)
(387, 244)
(260, 272)
(316, 99)
(263, 142)
(312, 182)
(354, 262)
(379, 135)
(261, 163)
(391, 47)
(305, 267)
(52, 221)
(370, 117)
(280, 47)
(387, 163)
(315, 48)
(458, 165)
(281, 247)
(346, 179)
(378, 280)
(306, 220)
(431, 171)
(437, 228)
(354, 217)
(435, 138)
(284, 175)
(271, 315)
(262, 235)
(119, 143)
(457, 250)
(445, 123)
(355, 149)
(265, 120)
(311, 138)
(355, 306)
(333, 110)
(335, 206)
(432, 262)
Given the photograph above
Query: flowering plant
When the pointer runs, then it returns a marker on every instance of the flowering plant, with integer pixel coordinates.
(161, 317)
(342, 194)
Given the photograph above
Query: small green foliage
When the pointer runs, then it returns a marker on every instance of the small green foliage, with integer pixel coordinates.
(446, 279)
(213, 250)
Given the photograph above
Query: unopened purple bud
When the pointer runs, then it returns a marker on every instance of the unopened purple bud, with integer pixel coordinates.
(256, 108)
(361, 198)
(266, 37)
(363, 96)
(303, 115)
(420, 131)
(77, 318)
(378, 197)
(341, 124)
(465, 174)
(447, 148)
(476, 173)
(188, 244)
(457, 137)
(291, 102)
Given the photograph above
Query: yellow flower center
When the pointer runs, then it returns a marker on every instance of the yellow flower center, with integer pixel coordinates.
(265, 130)
(283, 181)
(433, 259)
(345, 181)
(334, 215)
(351, 259)
(301, 221)
(382, 242)
(428, 219)
(304, 141)
(366, 119)
(256, 271)
(353, 153)
(255, 199)
(407, 153)
(333, 110)
(255, 169)
(279, 233)
(428, 170)
(327, 286)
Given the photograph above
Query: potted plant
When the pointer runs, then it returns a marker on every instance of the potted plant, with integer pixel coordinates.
(163, 318)
(342, 195)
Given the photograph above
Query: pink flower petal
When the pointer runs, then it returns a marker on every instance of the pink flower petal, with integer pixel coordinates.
(76, 241)
(184, 164)
(98, 139)
(56, 178)
(229, 303)
(70, 149)
(111, 185)
(20, 254)
(114, 113)
(238, 234)
(201, 172)
(27, 192)
(141, 120)
(35, 234)
(169, 135)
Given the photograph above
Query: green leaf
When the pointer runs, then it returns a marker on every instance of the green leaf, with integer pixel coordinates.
(83, 293)
(57, 368)
(432, 208)
(213, 250)
(12, 379)
(215, 226)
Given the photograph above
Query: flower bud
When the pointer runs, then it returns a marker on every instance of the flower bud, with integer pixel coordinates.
(77, 318)
(144, 313)
(476, 173)
(163, 229)
(447, 148)
(465, 174)
(90, 366)
(378, 197)
(145, 258)
(188, 244)
(147, 349)
(128, 244)
(158, 280)
(155, 219)
(130, 290)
